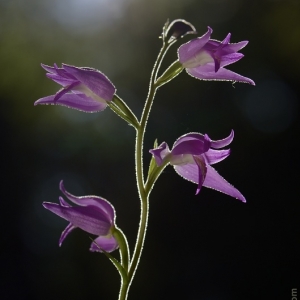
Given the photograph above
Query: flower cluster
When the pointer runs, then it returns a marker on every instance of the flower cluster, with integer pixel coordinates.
(192, 155)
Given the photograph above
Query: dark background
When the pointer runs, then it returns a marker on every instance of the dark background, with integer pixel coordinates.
(209, 246)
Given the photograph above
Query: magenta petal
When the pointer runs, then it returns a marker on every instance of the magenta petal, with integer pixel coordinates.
(64, 234)
(215, 181)
(89, 218)
(214, 156)
(237, 46)
(230, 59)
(61, 80)
(202, 170)
(192, 48)
(49, 69)
(224, 142)
(189, 172)
(63, 202)
(160, 152)
(76, 101)
(194, 147)
(99, 202)
(107, 243)
(193, 136)
(96, 81)
(207, 72)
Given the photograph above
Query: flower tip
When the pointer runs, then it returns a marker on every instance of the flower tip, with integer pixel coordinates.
(61, 185)
(210, 29)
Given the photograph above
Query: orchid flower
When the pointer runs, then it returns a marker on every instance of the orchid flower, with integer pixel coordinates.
(192, 156)
(84, 89)
(205, 58)
(93, 214)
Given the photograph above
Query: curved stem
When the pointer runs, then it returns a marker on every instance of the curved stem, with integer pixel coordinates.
(143, 193)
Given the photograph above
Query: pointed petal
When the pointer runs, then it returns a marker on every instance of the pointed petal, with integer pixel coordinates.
(63, 202)
(64, 234)
(89, 218)
(224, 142)
(215, 181)
(99, 202)
(230, 59)
(202, 170)
(226, 40)
(207, 72)
(61, 80)
(49, 69)
(190, 49)
(107, 243)
(214, 156)
(235, 47)
(96, 81)
(76, 101)
(160, 152)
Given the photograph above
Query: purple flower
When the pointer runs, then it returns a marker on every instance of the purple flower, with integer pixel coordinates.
(192, 156)
(93, 214)
(205, 59)
(85, 89)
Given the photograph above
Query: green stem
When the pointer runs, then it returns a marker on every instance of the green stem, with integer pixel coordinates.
(139, 165)
(143, 193)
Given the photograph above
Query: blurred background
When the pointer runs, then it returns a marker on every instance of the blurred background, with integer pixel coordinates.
(209, 246)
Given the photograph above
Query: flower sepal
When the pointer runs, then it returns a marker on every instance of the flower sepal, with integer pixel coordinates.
(173, 70)
(118, 106)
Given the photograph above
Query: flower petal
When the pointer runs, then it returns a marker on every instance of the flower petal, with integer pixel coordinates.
(99, 202)
(61, 80)
(96, 81)
(207, 72)
(202, 170)
(235, 47)
(190, 49)
(89, 218)
(215, 181)
(214, 156)
(230, 59)
(107, 243)
(160, 152)
(192, 143)
(224, 142)
(76, 101)
(64, 234)
(189, 172)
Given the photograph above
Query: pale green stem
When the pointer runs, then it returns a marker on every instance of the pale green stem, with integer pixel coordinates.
(143, 195)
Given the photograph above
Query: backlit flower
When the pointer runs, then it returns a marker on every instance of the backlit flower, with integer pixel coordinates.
(205, 58)
(84, 89)
(192, 156)
(92, 214)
